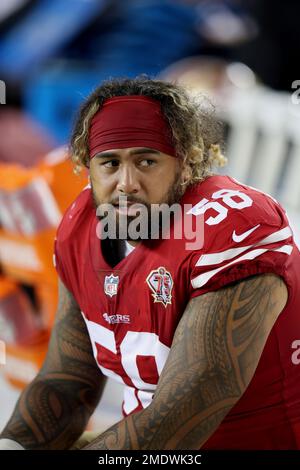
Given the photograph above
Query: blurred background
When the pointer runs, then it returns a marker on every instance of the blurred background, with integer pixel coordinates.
(242, 54)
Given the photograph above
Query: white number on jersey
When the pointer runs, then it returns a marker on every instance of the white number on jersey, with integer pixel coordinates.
(230, 198)
(134, 343)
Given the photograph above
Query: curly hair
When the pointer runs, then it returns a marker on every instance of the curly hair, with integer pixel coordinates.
(197, 134)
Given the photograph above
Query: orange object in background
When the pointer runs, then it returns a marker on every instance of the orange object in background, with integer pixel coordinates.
(32, 202)
(57, 169)
(28, 259)
(19, 322)
(22, 332)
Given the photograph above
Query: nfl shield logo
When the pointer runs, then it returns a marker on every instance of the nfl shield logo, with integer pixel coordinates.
(111, 285)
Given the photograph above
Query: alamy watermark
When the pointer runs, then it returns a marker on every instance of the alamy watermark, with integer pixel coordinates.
(2, 353)
(2, 92)
(134, 221)
(294, 106)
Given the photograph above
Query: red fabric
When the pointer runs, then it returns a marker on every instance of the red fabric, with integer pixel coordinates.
(130, 121)
(267, 416)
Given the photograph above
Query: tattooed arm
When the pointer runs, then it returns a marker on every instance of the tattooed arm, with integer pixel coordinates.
(215, 351)
(54, 409)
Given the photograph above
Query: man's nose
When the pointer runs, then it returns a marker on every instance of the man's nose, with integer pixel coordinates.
(128, 182)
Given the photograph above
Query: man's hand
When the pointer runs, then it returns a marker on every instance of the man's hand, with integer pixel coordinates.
(54, 409)
(215, 351)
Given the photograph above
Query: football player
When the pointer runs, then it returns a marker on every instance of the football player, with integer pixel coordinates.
(203, 335)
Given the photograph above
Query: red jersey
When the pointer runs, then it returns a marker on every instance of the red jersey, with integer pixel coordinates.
(132, 309)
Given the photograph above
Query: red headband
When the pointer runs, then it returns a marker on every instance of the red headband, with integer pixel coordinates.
(130, 121)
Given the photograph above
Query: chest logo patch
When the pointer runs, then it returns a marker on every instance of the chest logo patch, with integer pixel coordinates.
(111, 285)
(161, 283)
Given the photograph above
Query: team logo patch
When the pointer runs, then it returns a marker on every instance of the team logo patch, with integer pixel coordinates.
(111, 285)
(161, 283)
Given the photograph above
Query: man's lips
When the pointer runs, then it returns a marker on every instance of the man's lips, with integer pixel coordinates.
(130, 208)
(123, 204)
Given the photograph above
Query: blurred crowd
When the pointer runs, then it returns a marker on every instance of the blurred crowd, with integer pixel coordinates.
(53, 52)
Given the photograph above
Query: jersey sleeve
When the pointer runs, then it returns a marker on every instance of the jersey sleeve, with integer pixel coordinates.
(251, 241)
(58, 261)
(69, 244)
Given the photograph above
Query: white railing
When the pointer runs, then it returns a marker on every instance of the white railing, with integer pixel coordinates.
(263, 145)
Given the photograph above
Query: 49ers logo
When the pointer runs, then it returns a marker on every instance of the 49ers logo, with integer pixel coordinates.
(161, 283)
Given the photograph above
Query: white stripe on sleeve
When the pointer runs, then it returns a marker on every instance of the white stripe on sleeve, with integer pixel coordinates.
(217, 258)
(202, 279)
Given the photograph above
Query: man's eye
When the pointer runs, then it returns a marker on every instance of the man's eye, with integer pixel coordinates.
(110, 163)
(147, 162)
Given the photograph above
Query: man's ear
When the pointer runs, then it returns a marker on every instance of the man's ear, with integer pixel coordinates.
(185, 175)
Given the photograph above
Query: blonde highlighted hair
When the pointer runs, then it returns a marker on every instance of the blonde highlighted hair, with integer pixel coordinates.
(197, 134)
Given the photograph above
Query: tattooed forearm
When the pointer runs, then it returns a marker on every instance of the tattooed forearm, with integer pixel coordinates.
(216, 349)
(53, 410)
